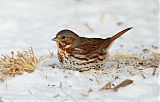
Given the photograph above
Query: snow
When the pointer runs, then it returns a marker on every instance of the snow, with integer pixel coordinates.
(33, 23)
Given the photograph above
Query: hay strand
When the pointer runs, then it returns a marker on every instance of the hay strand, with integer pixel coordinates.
(18, 63)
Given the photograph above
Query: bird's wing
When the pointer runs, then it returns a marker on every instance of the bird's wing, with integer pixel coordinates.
(88, 45)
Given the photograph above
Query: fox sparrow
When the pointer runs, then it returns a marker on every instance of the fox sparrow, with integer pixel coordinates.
(81, 53)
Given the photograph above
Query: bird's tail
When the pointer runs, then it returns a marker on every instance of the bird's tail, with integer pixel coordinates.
(110, 40)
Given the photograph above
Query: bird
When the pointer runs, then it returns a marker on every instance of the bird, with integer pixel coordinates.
(82, 53)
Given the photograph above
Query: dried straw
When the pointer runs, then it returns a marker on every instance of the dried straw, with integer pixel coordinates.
(18, 63)
(134, 60)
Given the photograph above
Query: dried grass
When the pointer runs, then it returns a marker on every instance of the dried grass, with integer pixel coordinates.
(51, 54)
(134, 60)
(122, 84)
(127, 56)
(102, 17)
(87, 94)
(89, 27)
(1, 100)
(18, 63)
(106, 87)
(157, 61)
(57, 95)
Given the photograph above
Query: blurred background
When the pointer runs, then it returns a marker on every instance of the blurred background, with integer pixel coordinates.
(33, 23)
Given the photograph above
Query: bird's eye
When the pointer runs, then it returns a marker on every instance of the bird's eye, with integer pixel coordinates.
(63, 37)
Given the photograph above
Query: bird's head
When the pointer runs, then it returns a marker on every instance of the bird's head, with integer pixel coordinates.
(65, 38)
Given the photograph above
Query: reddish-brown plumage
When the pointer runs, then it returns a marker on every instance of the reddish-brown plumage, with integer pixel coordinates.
(83, 53)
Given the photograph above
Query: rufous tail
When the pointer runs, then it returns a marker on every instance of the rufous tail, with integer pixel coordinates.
(113, 38)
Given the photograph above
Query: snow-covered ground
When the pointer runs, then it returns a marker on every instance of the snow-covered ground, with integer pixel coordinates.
(33, 23)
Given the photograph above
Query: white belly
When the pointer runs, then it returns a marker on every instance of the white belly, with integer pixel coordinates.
(76, 64)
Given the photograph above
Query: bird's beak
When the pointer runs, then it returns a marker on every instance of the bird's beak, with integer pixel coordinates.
(55, 39)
